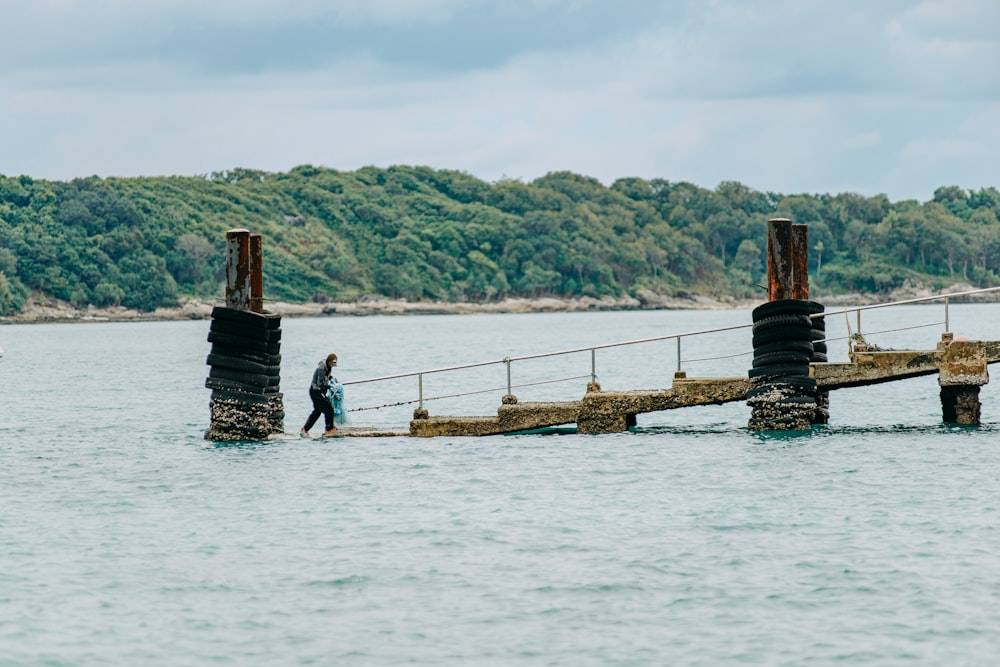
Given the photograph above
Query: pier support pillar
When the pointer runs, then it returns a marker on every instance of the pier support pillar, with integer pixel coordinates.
(960, 405)
(603, 412)
(961, 372)
(245, 359)
(782, 394)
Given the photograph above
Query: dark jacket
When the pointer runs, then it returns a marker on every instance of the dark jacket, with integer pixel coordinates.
(321, 378)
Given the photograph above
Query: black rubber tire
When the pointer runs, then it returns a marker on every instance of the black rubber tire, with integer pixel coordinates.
(819, 358)
(246, 330)
(820, 348)
(232, 385)
(273, 371)
(782, 322)
(784, 389)
(780, 335)
(819, 324)
(259, 357)
(273, 380)
(774, 425)
(236, 363)
(271, 390)
(244, 343)
(781, 359)
(781, 307)
(789, 370)
(795, 400)
(785, 346)
(794, 382)
(264, 321)
(253, 379)
(279, 414)
(756, 401)
(817, 334)
(243, 397)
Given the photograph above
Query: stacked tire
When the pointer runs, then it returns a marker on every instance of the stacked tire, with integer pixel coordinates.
(822, 415)
(244, 375)
(782, 394)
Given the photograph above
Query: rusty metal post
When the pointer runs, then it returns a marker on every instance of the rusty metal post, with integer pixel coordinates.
(779, 259)
(800, 262)
(238, 269)
(256, 273)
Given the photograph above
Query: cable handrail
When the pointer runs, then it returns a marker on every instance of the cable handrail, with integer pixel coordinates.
(904, 302)
(466, 393)
(675, 336)
(541, 355)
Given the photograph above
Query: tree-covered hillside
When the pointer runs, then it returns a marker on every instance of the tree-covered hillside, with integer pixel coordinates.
(420, 233)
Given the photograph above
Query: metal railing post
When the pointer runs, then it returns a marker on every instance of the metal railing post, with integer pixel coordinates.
(677, 336)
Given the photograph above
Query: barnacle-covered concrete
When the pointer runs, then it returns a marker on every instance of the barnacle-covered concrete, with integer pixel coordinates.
(598, 412)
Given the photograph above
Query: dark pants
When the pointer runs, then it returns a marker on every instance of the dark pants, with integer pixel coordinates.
(321, 406)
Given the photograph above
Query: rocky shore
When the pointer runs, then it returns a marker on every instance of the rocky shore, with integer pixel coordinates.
(40, 310)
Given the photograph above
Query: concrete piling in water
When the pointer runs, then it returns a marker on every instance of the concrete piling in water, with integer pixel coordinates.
(782, 394)
(245, 358)
(962, 370)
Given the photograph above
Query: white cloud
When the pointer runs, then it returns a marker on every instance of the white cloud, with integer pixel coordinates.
(781, 95)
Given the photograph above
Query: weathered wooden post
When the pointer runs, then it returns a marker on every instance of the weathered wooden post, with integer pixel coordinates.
(245, 359)
(782, 394)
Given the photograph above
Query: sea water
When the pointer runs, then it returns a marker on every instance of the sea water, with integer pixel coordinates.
(128, 539)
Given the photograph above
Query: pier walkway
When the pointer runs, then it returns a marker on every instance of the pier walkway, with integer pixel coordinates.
(960, 365)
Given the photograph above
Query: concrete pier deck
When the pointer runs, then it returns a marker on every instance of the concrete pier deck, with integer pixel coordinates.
(958, 363)
(597, 412)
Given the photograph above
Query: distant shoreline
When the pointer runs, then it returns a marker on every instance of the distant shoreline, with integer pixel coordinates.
(37, 311)
(52, 311)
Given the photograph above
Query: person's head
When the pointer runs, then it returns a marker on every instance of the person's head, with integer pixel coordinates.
(331, 360)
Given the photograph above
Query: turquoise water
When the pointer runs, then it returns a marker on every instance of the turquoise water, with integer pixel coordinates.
(127, 539)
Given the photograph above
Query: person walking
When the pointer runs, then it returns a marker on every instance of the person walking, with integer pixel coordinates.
(318, 389)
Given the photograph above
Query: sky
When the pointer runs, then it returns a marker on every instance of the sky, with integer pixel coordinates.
(898, 97)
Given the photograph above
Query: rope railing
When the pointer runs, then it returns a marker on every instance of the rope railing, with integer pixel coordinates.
(528, 357)
(883, 331)
(593, 349)
(467, 393)
(920, 299)
(718, 358)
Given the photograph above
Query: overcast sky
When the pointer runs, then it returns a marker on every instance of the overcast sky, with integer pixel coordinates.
(792, 96)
